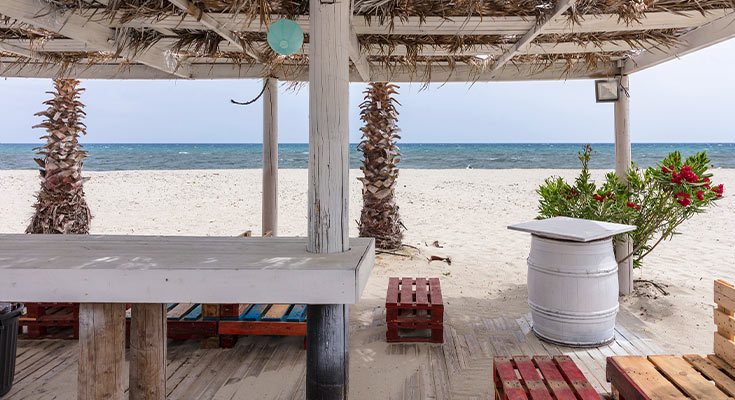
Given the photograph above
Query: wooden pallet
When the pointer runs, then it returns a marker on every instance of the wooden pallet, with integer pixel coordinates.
(540, 378)
(267, 319)
(670, 377)
(49, 321)
(688, 377)
(414, 306)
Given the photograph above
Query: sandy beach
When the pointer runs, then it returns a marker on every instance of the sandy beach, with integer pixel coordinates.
(466, 211)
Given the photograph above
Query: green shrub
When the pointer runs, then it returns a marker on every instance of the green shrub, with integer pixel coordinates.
(656, 200)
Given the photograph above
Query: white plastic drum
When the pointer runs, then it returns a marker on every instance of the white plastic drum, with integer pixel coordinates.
(573, 291)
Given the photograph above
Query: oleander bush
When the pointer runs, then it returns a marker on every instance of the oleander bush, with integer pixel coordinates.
(656, 200)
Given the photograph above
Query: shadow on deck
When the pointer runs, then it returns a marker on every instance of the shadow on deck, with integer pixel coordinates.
(274, 368)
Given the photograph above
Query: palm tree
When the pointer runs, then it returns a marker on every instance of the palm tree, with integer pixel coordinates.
(60, 204)
(379, 218)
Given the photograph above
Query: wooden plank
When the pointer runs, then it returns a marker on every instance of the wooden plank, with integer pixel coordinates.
(179, 311)
(275, 328)
(210, 310)
(297, 314)
(406, 291)
(155, 269)
(531, 379)
(556, 382)
(725, 323)
(435, 292)
(392, 296)
(720, 363)
(255, 312)
(269, 199)
(148, 352)
(575, 378)
(636, 376)
(725, 349)
(422, 297)
(686, 378)
(194, 314)
(725, 295)
(276, 312)
(101, 373)
(711, 371)
(505, 377)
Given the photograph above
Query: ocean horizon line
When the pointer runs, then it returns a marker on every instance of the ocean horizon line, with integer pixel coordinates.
(356, 143)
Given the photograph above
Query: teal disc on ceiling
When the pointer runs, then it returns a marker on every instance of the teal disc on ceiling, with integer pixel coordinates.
(285, 37)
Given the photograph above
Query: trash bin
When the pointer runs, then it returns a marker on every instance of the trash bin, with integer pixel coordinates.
(8, 346)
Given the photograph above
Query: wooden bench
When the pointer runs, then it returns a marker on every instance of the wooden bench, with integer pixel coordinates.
(540, 378)
(687, 377)
(105, 273)
(412, 307)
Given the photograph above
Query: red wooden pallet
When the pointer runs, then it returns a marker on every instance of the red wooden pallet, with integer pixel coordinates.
(50, 320)
(414, 305)
(540, 378)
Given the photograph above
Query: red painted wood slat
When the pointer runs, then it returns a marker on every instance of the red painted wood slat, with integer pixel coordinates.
(406, 291)
(505, 377)
(554, 379)
(422, 297)
(435, 291)
(575, 378)
(531, 379)
(392, 296)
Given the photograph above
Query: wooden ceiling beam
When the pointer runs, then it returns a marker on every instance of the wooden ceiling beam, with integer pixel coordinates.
(458, 25)
(521, 44)
(359, 60)
(95, 34)
(704, 36)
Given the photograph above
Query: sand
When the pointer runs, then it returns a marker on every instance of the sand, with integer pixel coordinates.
(466, 211)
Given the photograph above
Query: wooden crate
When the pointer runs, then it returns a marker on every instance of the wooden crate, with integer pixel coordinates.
(414, 306)
(724, 346)
(670, 377)
(540, 377)
(49, 321)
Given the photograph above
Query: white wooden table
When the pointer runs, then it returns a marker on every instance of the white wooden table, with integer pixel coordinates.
(105, 272)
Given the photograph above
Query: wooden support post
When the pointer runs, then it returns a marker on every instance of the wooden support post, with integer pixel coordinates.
(101, 351)
(148, 352)
(270, 156)
(327, 362)
(622, 165)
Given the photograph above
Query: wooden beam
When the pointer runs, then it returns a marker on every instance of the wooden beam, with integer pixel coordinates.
(101, 373)
(19, 50)
(74, 26)
(440, 72)
(70, 45)
(359, 60)
(622, 165)
(705, 36)
(456, 25)
(148, 352)
(270, 157)
(327, 328)
(521, 44)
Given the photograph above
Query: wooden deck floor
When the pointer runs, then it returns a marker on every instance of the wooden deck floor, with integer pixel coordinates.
(458, 369)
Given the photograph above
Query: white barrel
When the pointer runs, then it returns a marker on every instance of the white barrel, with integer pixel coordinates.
(573, 291)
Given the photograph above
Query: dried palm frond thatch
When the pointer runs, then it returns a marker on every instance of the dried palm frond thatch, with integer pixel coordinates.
(379, 218)
(60, 204)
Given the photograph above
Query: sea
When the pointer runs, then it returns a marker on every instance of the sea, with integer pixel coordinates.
(113, 157)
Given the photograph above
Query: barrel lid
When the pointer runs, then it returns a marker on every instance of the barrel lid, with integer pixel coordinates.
(574, 229)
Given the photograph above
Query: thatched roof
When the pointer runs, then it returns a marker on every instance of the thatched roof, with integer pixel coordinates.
(421, 40)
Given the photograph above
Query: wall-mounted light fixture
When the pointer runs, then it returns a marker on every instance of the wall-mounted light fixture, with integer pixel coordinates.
(607, 90)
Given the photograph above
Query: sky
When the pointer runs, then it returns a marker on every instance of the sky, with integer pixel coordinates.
(684, 100)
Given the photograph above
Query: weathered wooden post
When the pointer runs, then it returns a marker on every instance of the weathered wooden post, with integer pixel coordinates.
(101, 351)
(148, 352)
(622, 165)
(328, 325)
(270, 156)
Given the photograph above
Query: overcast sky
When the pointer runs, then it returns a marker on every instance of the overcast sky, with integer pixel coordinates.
(686, 100)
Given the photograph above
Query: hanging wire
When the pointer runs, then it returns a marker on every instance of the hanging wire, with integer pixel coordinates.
(265, 84)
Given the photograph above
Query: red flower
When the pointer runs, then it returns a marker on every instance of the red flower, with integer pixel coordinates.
(638, 207)
(719, 189)
(700, 195)
(680, 194)
(686, 168)
(684, 202)
(664, 170)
